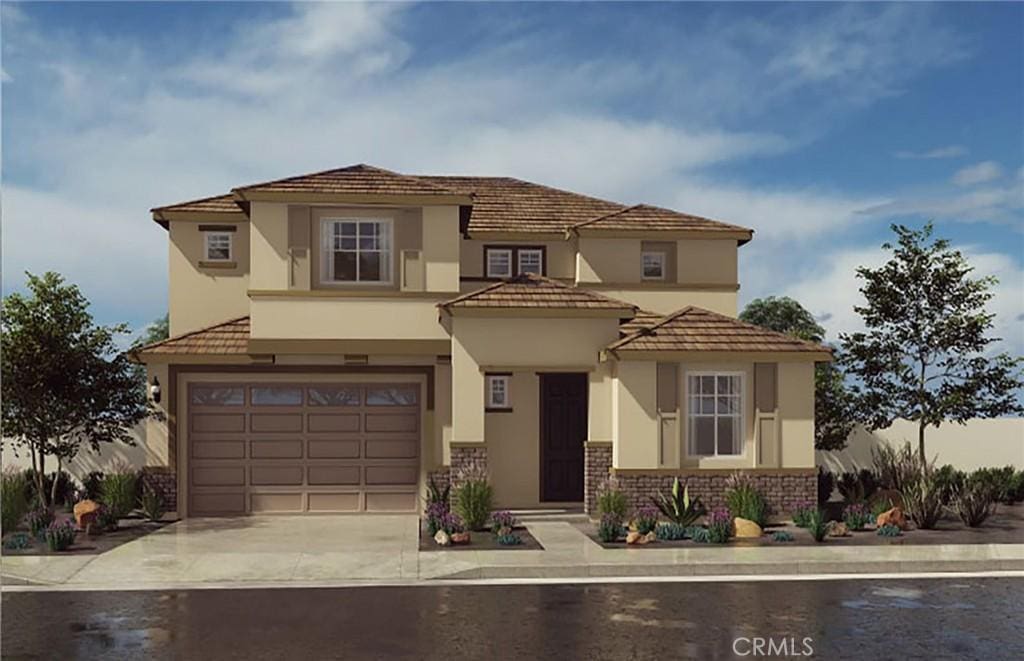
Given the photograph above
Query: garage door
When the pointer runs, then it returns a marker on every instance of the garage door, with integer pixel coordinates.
(308, 447)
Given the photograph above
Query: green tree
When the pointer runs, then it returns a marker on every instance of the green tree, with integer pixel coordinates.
(834, 414)
(925, 353)
(156, 331)
(65, 383)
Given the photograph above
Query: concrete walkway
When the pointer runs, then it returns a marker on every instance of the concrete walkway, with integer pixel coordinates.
(329, 550)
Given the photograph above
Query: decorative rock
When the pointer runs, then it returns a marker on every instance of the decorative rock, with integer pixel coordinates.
(649, 537)
(838, 529)
(460, 537)
(633, 537)
(746, 528)
(893, 517)
(442, 538)
(86, 513)
(504, 530)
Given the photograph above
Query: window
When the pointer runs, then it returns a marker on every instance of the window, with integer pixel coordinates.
(653, 265)
(217, 396)
(333, 396)
(715, 414)
(356, 251)
(276, 396)
(531, 261)
(218, 246)
(386, 396)
(499, 263)
(497, 391)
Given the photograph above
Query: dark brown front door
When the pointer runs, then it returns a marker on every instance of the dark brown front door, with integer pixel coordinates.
(563, 429)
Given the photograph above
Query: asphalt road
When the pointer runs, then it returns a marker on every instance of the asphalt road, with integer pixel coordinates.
(864, 619)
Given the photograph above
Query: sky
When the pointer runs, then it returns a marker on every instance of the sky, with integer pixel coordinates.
(818, 125)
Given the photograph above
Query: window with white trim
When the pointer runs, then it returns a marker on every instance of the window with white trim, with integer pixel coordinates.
(499, 263)
(653, 265)
(356, 250)
(715, 414)
(218, 246)
(531, 260)
(497, 391)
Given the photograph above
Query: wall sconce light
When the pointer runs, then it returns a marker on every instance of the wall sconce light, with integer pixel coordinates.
(154, 390)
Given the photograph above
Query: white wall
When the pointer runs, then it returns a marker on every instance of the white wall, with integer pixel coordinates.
(87, 461)
(979, 443)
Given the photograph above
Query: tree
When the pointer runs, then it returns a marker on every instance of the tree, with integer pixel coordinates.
(65, 383)
(834, 417)
(925, 353)
(156, 331)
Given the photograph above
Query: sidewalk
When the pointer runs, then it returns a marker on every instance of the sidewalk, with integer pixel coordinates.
(179, 558)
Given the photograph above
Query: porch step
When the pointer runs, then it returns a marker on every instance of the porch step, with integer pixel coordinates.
(568, 514)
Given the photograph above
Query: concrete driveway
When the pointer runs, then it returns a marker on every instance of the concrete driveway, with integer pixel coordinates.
(259, 548)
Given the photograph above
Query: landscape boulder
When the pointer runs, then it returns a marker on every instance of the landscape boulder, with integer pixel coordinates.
(442, 538)
(838, 529)
(746, 528)
(460, 537)
(893, 517)
(634, 538)
(86, 514)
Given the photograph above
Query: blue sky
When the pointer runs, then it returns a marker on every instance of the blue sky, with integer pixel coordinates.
(817, 125)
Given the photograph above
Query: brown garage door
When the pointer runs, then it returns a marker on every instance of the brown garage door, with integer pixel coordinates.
(309, 447)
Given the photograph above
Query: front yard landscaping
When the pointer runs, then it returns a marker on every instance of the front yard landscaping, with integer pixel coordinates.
(22, 542)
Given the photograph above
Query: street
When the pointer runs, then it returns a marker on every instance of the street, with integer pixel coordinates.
(956, 618)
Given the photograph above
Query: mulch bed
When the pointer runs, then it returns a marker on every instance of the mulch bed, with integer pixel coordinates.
(128, 530)
(1006, 526)
(482, 541)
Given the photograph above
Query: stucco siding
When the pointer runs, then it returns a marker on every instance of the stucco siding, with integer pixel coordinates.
(513, 444)
(202, 296)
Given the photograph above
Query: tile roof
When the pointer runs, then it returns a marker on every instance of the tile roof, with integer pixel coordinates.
(215, 204)
(642, 319)
(534, 291)
(644, 217)
(356, 179)
(695, 329)
(226, 338)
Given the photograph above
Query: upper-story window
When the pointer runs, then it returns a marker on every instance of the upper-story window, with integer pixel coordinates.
(356, 250)
(506, 261)
(653, 265)
(218, 246)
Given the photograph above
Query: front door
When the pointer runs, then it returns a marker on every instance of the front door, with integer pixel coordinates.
(563, 429)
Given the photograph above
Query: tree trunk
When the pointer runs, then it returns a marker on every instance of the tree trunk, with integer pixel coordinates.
(920, 443)
(56, 479)
(40, 482)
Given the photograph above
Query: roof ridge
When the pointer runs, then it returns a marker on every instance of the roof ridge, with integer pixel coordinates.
(364, 166)
(205, 329)
(535, 278)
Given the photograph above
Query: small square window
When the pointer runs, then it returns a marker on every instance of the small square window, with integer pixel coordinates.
(218, 246)
(531, 261)
(497, 391)
(654, 265)
(499, 263)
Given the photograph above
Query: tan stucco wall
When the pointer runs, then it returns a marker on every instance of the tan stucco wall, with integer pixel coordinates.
(707, 261)
(608, 260)
(634, 415)
(441, 248)
(796, 414)
(201, 296)
(513, 444)
(599, 403)
(669, 300)
(269, 256)
(286, 317)
(561, 257)
(697, 261)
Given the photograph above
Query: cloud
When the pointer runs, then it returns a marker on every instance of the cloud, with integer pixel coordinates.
(996, 204)
(979, 173)
(949, 151)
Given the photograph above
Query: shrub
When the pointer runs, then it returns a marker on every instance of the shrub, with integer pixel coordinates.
(826, 483)
(60, 536)
(152, 503)
(38, 519)
(859, 486)
(66, 487)
(879, 505)
(451, 523)
(610, 500)
(719, 526)
(437, 493)
(802, 514)
(699, 535)
(889, 530)
(745, 501)
(1000, 480)
(677, 506)
(92, 484)
(948, 480)
(117, 491)
(13, 503)
(974, 502)
(817, 525)
(782, 536)
(667, 532)
(17, 541)
(645, 519)
(502, 519)
(509, 539)
(1018, 486)
(474, 500)
(434, 516)
(898, 468)
(106, 519)
(856, 516)
(610, 527)
(923, 501)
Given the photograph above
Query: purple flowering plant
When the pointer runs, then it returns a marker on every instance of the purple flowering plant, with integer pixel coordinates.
(502, 519)
(719, 525)
(645, 518)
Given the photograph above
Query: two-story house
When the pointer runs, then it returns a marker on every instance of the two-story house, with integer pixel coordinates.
(340, 338)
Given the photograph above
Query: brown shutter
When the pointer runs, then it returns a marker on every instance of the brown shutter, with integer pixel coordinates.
(668, 386)
(298, 226)
(765, 386)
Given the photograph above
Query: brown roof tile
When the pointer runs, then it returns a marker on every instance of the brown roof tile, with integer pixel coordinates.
(642, 319)
(644, 217)
(534, 291)
(215, 204)
(695, 329)
(226, 338)
(357, 179)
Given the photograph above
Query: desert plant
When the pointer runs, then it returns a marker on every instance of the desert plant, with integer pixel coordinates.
(782, 536)
(826, 484)
(947, 480)
(117, 490)
(881, 504)
(18, 541)
(856, 516)
(105, 519)
(923, 501)
(719, 526)
(973, 501)
(151, 503)
(509, 539)
(438, 493)
(889, 530)
(1018, 486)
(92, 484)
(451, 523)
(502, 520)
(38, 518)
(670, 531)
(898, 467)
(13, 503)
(611, 500)
(677, 506)
(859, 486)
(744, 500)
(474, 500)
(645, 519)
(61, 493)
(699, 535)
(817, 525)
(1000, 480)
(434, 516)
(802, 514)
(610, 527)
(60, 536)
